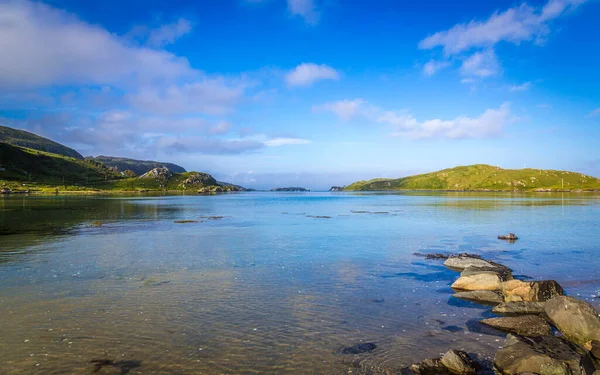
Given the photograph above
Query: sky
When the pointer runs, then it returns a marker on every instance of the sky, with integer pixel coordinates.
(312, 93)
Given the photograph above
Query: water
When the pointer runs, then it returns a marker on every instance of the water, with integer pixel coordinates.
(257, 286)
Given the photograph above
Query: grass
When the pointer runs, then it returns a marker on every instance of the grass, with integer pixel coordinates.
(25, 139)
(481, 177)
(138, 166)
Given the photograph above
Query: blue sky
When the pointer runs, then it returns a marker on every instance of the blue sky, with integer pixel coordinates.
(309, 92)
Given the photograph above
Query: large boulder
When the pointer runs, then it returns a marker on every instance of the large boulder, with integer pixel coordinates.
(459, 263)
(430, 366)
(458, 363)
(576, 319)
(525, 325)
(519, 308)
(531, 291)
(544, 355)
(482, 278)
(485, 297)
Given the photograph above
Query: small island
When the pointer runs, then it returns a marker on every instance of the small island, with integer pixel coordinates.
(291, 189)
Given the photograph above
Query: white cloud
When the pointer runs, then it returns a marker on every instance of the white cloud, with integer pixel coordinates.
(481, 64)
(305, 9)
(344, 109)
(488, 124)
(433, 66)
(275, 142)
(523, 87)
(514, 25)
(211, 96)
(43, 46)
(306, 74)
(168, 34)
(404, 124)
(467, 81)
(594, 113)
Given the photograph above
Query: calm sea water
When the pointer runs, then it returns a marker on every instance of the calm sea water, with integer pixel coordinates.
(268, 283)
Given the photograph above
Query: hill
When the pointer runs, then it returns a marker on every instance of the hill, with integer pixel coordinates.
(481, 177)
(138, 166)
(23, 168)
(26, 139)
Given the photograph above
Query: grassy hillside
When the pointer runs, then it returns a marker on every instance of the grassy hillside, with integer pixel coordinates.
(25, 139)
(21, 164)
(484, 177)
(27, 169)
(138, 166)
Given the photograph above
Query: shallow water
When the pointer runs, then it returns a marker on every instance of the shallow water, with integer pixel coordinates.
(268, 283)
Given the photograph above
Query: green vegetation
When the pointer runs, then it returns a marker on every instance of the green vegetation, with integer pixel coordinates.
(138, 166)
(25, 169)
(29, 140)
(481, 177)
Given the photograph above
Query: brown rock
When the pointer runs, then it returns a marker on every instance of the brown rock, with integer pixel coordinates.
(458, 362)
(531, 291)
(461, 262)
(482, 278)
(544, 355)
(576, 319)
(519, 308)
(485, 297)
(526, 325)
(595, 349)
(432, 366)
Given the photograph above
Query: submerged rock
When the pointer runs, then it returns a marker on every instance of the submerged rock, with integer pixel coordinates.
(359, 348)
(486, 297)
(482, 278)
(519, 308)
(576, 319)
(458, 363)
(531, 291)
(545, 355)
(509, 237)
(526, 325)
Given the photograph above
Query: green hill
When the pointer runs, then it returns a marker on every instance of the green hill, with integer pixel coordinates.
(138, 166)
(481, 177)
(25, 139)
(23, 168)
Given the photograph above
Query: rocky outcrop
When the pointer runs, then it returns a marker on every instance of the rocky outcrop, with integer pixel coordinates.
(509, 237)
(531, 291)
(197, 179)
(544, 355)
(430, 366)
(482, 278)
(5, 191)
(485, 297)
(458, 363)
(576, 319)
(336, 188)
(158, 173)
(526, 325)
(595, 351)
(519, 308)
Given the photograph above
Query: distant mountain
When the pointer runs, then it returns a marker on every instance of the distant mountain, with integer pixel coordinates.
(26, 139)
(481, 177)
(138, 166)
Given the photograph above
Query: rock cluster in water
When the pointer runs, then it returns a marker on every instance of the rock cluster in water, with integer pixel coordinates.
(529, 310)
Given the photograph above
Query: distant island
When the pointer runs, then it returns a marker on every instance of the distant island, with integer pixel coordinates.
(336, 188)
(482, 177)
(290, 189)
(33, 164)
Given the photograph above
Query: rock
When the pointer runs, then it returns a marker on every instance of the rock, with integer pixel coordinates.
(158, 173)
(509, 237)
(196, 179)
(519, 308)
(526, 325)
(359, 348)
(430, 367)
(482, 278)
(458, 362)
(461, 262)
(576, 319)
(530, 291)
(595, 352)
(485, 297)
(544, 355)
(5, 191)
